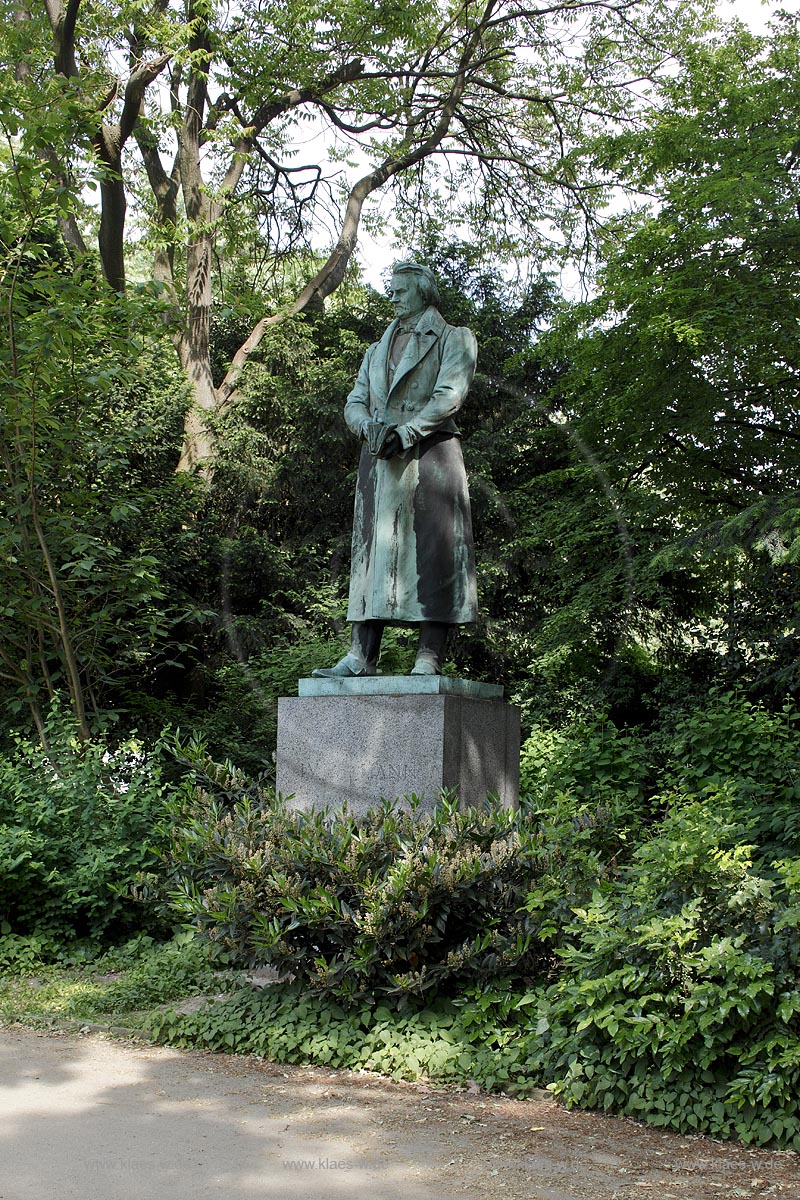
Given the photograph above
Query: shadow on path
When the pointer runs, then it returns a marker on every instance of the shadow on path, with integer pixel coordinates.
(93, 1119)
(99, 1120)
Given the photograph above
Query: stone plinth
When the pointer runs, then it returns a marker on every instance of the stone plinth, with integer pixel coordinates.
(358, 741)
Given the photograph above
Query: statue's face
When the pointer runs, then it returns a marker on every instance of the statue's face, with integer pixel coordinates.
(405, 296)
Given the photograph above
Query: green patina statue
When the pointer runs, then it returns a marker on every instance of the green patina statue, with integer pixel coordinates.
(413, 561)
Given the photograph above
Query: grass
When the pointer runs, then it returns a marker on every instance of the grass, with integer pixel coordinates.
(120, 986)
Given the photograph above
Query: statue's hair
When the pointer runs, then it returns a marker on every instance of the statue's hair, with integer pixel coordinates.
(426, 280)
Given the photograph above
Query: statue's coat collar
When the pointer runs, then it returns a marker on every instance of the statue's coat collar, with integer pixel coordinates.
(429, 327)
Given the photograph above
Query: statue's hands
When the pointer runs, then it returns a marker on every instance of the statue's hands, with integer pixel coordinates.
(391, 444)
(383, 440)
(374, 433)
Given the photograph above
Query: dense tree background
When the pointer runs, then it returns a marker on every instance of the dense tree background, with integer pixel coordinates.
(477, 110)
(633, 458)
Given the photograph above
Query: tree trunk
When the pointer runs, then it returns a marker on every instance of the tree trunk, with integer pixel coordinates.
(195, 352)
(112, 221)
(70, 660)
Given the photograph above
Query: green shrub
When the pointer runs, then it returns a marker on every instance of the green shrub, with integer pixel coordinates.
(752, 756)
(584, 788)
(395, 903)
(678, 1000)
(589, 772)
(656, 971)
(588, 759)
(728, 751)
(76, 824)
(24, 953)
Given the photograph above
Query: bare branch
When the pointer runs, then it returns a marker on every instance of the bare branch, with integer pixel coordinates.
(331, 274)
(566, 7)
(381, 123)
(268, 112)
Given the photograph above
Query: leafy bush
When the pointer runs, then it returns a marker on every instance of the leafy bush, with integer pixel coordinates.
(629, 938)
(587, 787)
(76, 824)
(21, 953)
(590, 760)
(395, 903)
(728, 749)
(678, 1000)
(741, 752)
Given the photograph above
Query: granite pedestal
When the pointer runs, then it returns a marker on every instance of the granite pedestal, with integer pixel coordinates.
(358, 741)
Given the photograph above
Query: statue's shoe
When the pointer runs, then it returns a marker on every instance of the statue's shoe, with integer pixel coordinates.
(426, 665)
(348, 667)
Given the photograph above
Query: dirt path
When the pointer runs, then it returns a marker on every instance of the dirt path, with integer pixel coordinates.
(90, 1118)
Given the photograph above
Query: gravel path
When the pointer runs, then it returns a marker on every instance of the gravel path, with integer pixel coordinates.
(94, 1119)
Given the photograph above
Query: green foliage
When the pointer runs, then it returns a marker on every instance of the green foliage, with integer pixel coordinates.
(681, 378)
(393, 903)
(740, 757)
(21, 953)
(286, 456)
(591, 760)
(628, 938)
(635, 493)
(88, 407)
(660, 974)
(746, 760)
(77, 822)
(678, 1001)
(584, 788)
(476, 1039)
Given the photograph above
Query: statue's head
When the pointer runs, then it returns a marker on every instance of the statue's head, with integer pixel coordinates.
(422, 277)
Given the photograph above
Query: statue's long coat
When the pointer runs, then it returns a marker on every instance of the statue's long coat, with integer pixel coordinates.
(413, 557)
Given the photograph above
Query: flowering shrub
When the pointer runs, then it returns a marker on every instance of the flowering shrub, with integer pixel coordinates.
(393, 903)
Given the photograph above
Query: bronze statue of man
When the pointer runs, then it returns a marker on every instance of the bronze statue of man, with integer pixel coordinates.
(413, 561)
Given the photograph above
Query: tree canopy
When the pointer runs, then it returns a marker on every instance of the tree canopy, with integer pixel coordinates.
(472, 112)
(683, 373)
